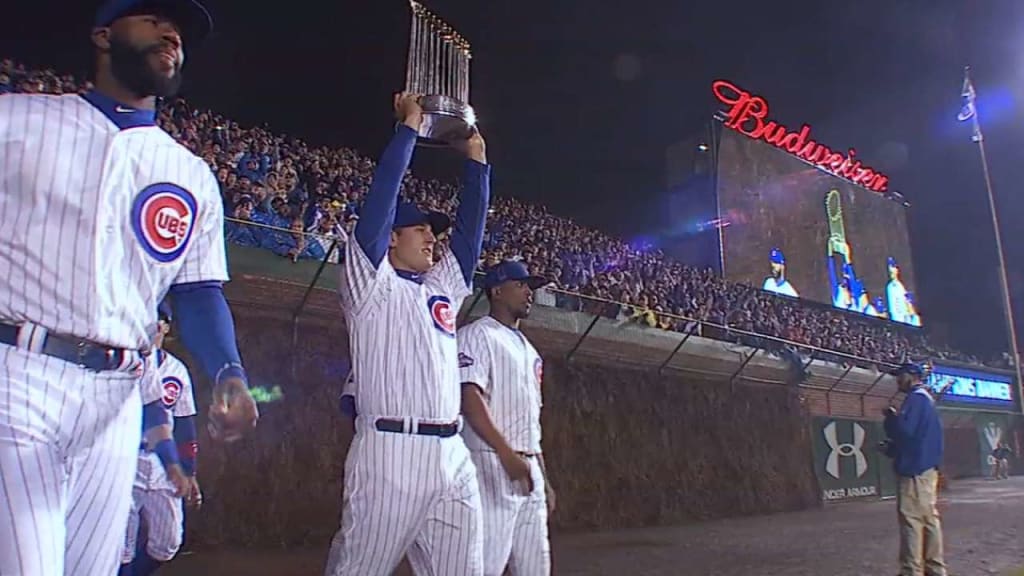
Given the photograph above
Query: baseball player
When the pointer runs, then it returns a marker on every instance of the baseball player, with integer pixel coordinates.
(347, 406)
(166, 470)
(102, 214)
(158, 436)
(409, 481)
(777, 282)
(896, 294)
(501, 376)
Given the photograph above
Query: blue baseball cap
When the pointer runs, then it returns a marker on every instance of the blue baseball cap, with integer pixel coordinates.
(509, 271)
(891, 262)
(776, 256)
(190, 16)
(909, 368)
(408, 214)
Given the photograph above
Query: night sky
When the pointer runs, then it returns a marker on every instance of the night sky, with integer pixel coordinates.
(579, 102)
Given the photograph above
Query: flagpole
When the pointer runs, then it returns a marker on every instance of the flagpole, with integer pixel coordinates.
(1004, 283)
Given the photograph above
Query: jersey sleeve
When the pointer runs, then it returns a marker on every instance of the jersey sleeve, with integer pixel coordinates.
(361, 281)
(206, 258)
(474, 358)
(186, 404)
(447, 275)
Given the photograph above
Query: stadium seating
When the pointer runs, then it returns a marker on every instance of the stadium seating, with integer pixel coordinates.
(295, 200)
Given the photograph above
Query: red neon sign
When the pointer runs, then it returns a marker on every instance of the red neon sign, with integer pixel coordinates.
(747, 116)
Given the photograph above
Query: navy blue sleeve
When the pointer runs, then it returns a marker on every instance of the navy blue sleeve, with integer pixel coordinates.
(347, 405)
(207, 328)
(830, 263)
(471, 218)
(377, 215)
(892, 427)
(188, 446)
(153, 415)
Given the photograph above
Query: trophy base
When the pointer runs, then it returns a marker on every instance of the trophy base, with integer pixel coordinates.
(445, 120)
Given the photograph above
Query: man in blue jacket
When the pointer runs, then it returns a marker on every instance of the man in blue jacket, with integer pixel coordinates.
(915, 435)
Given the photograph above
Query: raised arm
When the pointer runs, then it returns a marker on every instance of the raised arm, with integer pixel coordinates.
(906, 425)
(471, 218)
(377, 215)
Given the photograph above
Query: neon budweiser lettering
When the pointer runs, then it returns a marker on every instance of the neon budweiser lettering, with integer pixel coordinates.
(747, 116)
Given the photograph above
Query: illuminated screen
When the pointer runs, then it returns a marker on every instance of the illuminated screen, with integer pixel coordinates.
(796, 230)
(971, 386)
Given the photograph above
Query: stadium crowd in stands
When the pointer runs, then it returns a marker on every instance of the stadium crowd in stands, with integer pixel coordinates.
(296, 200)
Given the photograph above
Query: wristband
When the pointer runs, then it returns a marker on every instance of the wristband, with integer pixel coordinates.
(229, 370)
(187, 451)
(167, 452)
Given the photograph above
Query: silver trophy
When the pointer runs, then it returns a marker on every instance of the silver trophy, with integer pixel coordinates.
(438, 68)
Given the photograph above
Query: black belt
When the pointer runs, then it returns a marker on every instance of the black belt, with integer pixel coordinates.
(89, 355)
(424, 428)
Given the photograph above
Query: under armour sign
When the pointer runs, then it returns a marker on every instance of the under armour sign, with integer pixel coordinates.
(845, 449)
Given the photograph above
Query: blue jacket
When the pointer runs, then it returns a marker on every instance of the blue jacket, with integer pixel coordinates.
(916, 434)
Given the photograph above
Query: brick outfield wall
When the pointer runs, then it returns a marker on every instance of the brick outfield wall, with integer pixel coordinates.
(624, 447)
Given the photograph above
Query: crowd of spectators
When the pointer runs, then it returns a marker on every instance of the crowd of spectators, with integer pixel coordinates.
(298, 200)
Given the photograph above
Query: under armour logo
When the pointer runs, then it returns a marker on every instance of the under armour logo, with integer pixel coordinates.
(845, 450)
(993, 434)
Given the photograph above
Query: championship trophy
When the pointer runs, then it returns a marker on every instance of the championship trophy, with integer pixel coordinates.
(836, 229)
(438, 69)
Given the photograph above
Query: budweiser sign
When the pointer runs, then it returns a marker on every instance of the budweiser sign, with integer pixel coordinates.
(748, 115)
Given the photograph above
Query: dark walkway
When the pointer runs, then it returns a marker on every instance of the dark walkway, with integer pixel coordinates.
(984, 523)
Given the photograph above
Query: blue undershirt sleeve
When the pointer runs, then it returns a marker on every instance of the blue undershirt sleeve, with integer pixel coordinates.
(471, 217)
(377, 214)
(188, 446)
(207, 328)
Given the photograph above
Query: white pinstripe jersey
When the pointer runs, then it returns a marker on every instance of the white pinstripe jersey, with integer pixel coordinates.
(509, 371)
(96, 222)
(168, 381)
(402, 336)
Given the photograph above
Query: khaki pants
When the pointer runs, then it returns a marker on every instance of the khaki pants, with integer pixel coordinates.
(920, 527)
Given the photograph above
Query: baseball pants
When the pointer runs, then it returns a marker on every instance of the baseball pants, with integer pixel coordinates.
(515, 523)
(69, 441)
(408, 493)
(164, 517)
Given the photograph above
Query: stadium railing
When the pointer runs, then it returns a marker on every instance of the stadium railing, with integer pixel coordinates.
(580, 324)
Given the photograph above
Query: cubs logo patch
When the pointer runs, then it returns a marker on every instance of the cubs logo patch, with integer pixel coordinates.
(163, 218)
(464, 360)
(538, 369)
(442, 314)
(172, 391)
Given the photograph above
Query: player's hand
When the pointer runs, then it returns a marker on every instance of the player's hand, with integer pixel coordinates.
(408, 110)
(233, 413)
(180, 481)
(194, 498)
(518, 469)
(550, 496)
(474, 147)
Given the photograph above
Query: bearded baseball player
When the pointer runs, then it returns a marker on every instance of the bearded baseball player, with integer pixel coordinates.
(501, 376)
(409, 481)
(102, 214)
(167, 468)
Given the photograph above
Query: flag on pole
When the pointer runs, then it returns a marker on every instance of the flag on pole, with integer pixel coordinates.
(969, 111)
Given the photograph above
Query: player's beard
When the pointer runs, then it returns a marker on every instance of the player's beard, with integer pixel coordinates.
(131, 66)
